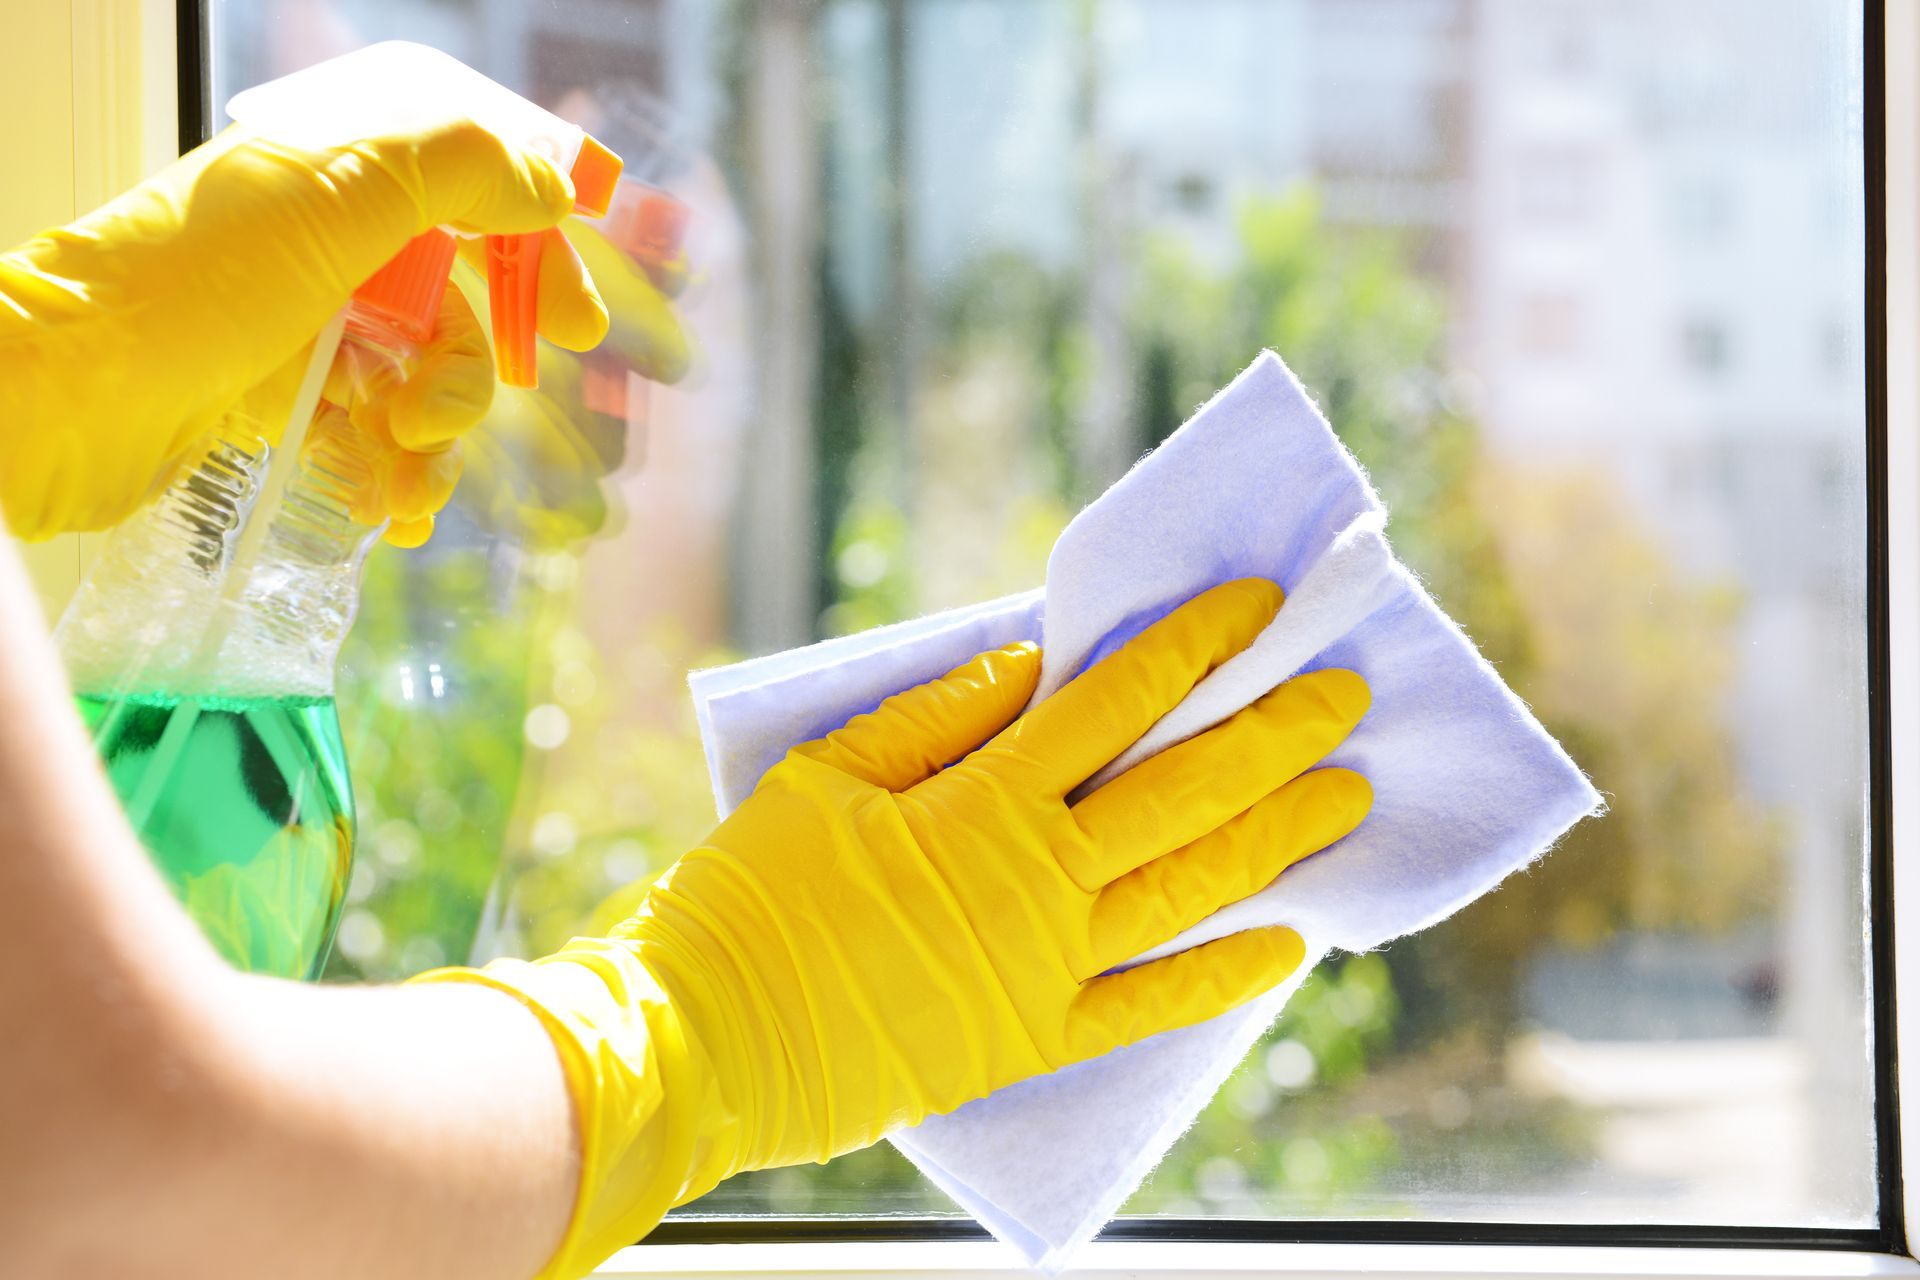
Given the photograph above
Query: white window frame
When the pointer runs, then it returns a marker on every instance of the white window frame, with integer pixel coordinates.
(119, 43)
(1901, 97)
(1173, 1260)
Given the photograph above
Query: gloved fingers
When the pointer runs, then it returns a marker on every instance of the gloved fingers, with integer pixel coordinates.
(669, 275)
(572, 314)
(570, 311)
(913, 735)
(388, 481)
(473, 180)
(1146, 907)
(1180, 990)
(418, 484)
(1105, 709)
(414, 489)
(408, 534)
(452, 388)
(1174, 798)
(645, 329)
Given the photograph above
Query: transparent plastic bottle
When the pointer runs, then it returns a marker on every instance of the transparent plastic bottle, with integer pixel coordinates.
(201, 646)
(202, 642)
(610, 411)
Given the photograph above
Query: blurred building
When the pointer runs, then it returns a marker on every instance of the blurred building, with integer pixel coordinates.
(1641, 212)
(1662, 279)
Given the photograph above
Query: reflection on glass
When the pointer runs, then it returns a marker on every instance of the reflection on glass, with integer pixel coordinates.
(1579, 283)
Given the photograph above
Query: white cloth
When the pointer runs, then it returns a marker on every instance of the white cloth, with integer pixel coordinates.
(1467, 786)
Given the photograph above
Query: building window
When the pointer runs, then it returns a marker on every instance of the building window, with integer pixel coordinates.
(1704, 347)
(1560, 185)
(1702, 207)
(1550, 326)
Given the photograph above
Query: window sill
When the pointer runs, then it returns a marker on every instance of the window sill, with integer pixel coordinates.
(1115, 1260)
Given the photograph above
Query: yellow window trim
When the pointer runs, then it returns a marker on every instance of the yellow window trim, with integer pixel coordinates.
(92, 82)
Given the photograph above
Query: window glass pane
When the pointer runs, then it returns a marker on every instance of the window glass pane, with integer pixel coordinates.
(1580, 282)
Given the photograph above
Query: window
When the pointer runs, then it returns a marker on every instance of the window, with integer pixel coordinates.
(1559, 185)
(962, 260)
(1702, 209)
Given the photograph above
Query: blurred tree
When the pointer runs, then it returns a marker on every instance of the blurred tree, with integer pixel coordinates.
(1283, 1136)
(1624, 658)
(1638, 694)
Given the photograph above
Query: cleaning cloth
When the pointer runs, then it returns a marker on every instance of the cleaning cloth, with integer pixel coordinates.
(1467, 785)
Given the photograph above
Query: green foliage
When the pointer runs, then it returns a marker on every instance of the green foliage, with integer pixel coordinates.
(841, 429)
(870, 569)
(434, 778)
(1547, 570)
(1272, 1143)
(1344, 1016)
(538, 791)
(1007, 300)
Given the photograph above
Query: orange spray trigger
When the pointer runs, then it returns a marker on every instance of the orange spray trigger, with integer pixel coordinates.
(513, 268)
(386, 87)
(595, 174)
(405, 294)
(513, 292)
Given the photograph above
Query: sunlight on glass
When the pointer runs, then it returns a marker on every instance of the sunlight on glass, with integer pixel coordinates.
(1579, 283)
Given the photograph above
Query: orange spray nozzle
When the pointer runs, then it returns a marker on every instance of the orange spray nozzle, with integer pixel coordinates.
(393, 85)
(646, 223)
(404, 295)
(513, 268)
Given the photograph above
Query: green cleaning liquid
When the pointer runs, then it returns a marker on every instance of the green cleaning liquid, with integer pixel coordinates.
(245, 805)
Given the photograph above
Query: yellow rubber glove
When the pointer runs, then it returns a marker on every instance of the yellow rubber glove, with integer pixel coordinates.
(872, 938)
(127, 336)
(535, 465)
(408, 429)
(643, 326)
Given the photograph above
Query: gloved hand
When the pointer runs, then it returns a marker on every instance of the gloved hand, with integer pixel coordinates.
(878, 934)
(535, 464)
(128, 335)
(408, 430)
(643, 326)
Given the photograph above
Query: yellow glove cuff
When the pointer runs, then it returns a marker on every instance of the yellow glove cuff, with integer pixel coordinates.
(653, 1128)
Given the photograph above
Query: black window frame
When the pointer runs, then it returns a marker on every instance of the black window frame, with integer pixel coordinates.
(196, 118)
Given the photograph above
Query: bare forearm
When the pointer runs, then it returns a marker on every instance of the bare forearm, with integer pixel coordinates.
(407, 1131)
(166, 1116)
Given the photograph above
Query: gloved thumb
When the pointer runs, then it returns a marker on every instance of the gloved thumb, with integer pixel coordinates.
(1181, 990)
(913, 735)
(570, 313)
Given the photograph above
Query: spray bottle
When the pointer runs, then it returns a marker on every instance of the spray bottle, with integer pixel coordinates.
(202, 642)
